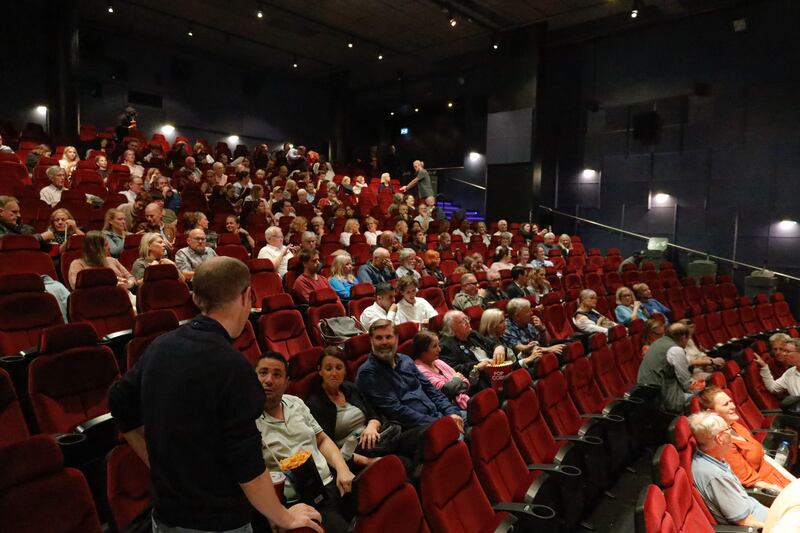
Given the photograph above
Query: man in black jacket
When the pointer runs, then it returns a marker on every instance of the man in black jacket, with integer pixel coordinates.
(517, 288)
(198, 399)
(467, 351)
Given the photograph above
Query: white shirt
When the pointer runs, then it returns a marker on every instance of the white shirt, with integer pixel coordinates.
(371, 237)
(130, 195)
(271, 252)
(405, 271)
(344, 238)
(676, 356)
(51, 195)
(420, 312)
(373, 313)
(788, 382)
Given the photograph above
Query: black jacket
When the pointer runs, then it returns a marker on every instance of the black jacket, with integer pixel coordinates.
(324, 410)
(515, 291)
(459, 356)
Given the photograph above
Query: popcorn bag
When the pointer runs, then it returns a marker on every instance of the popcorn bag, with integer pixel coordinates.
(301, 471)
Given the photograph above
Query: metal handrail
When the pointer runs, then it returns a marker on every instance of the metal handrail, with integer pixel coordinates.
(671, 245)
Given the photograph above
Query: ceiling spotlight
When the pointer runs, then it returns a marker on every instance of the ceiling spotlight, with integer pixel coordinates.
(634, 13)
(661, 198)
(588, 173)
(233, 139)
(260, 14)
(496, 44)
(474, 157)
(294, 64)
(416, 110)
(350, 44)
(637, 6)
(391, 113)
(167, 129)
(787, 224)
(450, 104)
(41, 109)
(111, 7)
(451, 19)
(190, 32)
(380, 57)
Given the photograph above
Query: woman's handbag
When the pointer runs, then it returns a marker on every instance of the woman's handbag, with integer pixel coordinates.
(336, 330)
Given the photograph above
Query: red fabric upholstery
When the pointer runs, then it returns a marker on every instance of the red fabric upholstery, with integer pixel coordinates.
(686, 512)
(626, 358)
(38, 494)
(496, 459)
(11, 419)
(451, 495)
(532, 436)
(783, 314)
(277, 302)
(128, 485)
(682, 439)
(247, 343)
(303, 372)
(356, 307)
(732, 323)
(357, 350)
(559, 410)
(263, 279)
(435, 297)
(386, 501)
(98, 300)
(284, 332)
(162, 289)
(766, 316)
(147, 327)
(22, 254)
(25, 310)
(750, 323)
(651, 512)
(607, 373)
(582, 388)
(69, 380)
(755, 385)
(558, 324)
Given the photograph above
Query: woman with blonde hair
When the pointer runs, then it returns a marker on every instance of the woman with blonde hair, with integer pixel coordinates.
(493, 326)
(298, 226)
(115, 231)
(63, 226)
(69, 160)
(152, 251)
(538, 284)
(342, 278)
(628, 307)
(351, 227)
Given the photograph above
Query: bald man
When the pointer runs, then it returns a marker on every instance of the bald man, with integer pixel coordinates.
(379, 270)
(196, 253)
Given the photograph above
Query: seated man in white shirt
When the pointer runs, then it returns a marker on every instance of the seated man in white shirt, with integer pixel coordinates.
(192, 256)
(412, 308)
(135, 188)
(275, 251)
(384, 306)
(789, 382)
(51, 194)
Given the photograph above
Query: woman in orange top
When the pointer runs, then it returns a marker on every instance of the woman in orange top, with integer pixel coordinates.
(746, 455)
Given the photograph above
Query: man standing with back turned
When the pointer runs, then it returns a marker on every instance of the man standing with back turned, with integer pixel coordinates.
(188, 409)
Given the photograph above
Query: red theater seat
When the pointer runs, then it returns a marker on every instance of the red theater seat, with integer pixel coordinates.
(247, 343)
(127, 485)
(688, 515)
(651, 512)
(303, 372)
(99, 301)
(37, 494)
(284, 331)
(163, 289)
(147, 327)
(25, 310)
(22, 254)
(12, 421)
(323, 303)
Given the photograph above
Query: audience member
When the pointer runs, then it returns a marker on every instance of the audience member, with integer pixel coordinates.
(384, 307)
(525, 331)
(287, 427)
(210, 468)
(653, 330)
(467, 351)
(470, 294)
(493, 291)
(746, 455)
(385, 183)
(51, 195)
(309, 280)
(275, 251)
(63, 226)
(190, 167)
(69, 160)
(393, 384)
(784, 513)
(424, 218)
(343, 413)
(412, 308)
(190, 257)
(443, 243)
(565, 245)
(379, 269)
(518, 288)
(232, 226)
(538, 285)
(665, 366)
(721, 490)
(95, 255)
(699, 363)
(426, 356)
(463, 231)
(540, 259)
(407, 264)
(135, 188)
(480, 230)
(418, 242)
(650, 304)
(502, 228)
(134, 213)
(308, 241)
(154, 217)
(371, 235)
(351, 227)
(789, 382)
(523, 257)
(431, 261)
(35, 155)
(3, 148)
(342, 278)
(628, 307)
(171, 197)
(152, 251)
(298, 226)
(549, 242)
(114, 231)
(422, 181)
(102, 167)
(129, 160)
(493, 327)
(587, 319)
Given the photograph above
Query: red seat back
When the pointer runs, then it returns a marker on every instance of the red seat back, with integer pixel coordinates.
(127, 485)
(452, 498)
(668, 474)
(755, 385)
(560, 412)
(11, 418)
(33, 479)
(69, 380)
(247, 343)
(99, 301)
(147, 327)
(25, 310)
(651, 512)
(558, 324)
(531, 434)
(386, 501)
(162, 289)
(284, 332)
(303, 372)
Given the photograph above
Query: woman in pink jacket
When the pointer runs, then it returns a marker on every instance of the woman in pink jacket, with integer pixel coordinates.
(440, 374)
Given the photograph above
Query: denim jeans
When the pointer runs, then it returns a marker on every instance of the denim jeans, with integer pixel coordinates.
(162, 528)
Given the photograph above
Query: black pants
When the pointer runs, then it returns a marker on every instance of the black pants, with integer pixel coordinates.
(333, 520)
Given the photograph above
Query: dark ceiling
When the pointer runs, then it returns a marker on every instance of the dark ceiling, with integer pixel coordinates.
(414, 37)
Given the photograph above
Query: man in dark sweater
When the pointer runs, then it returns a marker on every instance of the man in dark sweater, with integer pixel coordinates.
(198, 399)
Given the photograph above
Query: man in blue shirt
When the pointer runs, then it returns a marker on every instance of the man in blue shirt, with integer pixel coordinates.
(525, 333)
(650, 304)
(722, 491)
(379, 270)
(396, 388)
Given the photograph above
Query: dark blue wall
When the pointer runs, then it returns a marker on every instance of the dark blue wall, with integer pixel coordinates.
(729, 110)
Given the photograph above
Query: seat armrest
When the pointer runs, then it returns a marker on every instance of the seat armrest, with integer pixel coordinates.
(583, 439)
(564, 470)
(123, 335)
(530, 516)
(507, 525)
(604, 416)
(629, 397)
(764, 497)
(725, 528)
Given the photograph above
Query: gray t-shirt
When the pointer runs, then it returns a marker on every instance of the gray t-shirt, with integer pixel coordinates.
(424, 185)
(723, 492)
(283, 438)
(349, 419)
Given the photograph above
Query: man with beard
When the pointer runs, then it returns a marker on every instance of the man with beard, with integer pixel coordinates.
(392, 383)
